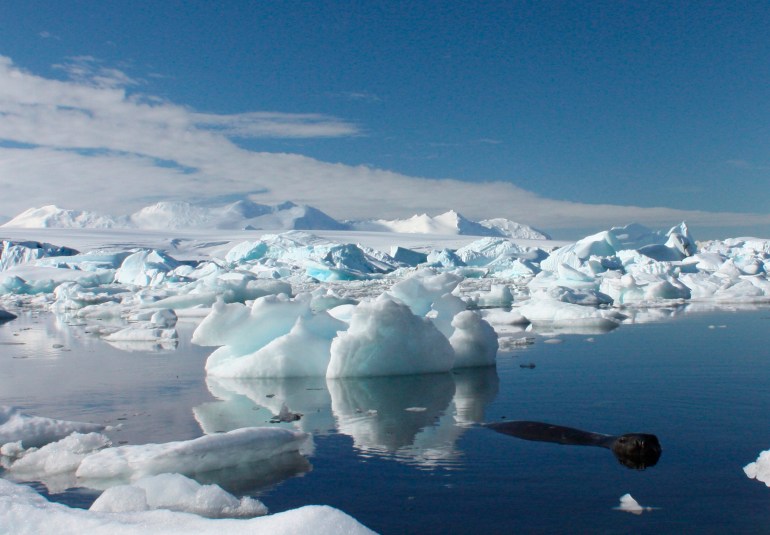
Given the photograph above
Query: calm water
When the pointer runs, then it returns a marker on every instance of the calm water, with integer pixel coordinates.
(403, 455)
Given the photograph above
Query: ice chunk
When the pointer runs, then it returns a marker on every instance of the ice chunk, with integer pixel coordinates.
(445, 258)
(444, 309)
(499, 295)
(14, 253)
(474, 341)
(420, 290)
(143, 333)
(386, 338)
(22, 506)
(303, 351)
(35, 431)
(408, 257)
(164, 318)
(176, 492)
(145, 268)
(553, 313)
(630, 505)
(54, 464)
(759, 469)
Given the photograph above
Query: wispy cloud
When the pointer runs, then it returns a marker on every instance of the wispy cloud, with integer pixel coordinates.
(48, 35)
(360, 96)
(747, 165)
(88, 70)
(90, 143)
(271, 124)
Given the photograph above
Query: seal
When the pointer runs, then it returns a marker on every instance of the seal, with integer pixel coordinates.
(633, 450)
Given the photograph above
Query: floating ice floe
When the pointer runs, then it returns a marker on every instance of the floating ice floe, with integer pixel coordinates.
(200, 455)
(759, 469)
(28, 512)
(630, 505)
(89, 460)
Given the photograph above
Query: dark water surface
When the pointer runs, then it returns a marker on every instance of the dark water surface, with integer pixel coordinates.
(404, 455)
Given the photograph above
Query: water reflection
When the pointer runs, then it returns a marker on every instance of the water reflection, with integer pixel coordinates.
(144, 346)
(254, 402)
(415, 419)
(594, 327)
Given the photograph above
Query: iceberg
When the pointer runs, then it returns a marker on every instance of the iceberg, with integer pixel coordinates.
(386, 338)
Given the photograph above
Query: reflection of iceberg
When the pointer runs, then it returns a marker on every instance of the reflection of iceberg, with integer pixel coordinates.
(413, 418)
(373, 410)
(474, 389)
(553, 316)
(598, 326)
(143, 346)
(253, 402)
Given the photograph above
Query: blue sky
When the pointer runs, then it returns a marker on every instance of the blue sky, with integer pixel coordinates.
(618, 104)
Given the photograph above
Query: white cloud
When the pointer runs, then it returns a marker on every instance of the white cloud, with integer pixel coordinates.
(87, 143)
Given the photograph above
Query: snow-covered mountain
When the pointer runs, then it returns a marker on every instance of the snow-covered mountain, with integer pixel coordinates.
(51, 216)
(242, 214)
(248, 215)
(451, 223)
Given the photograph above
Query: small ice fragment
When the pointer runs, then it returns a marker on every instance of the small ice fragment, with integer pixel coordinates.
(630, 505)
(416, 409)
(554, 341)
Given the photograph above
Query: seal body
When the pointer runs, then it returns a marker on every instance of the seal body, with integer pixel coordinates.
(634, 450)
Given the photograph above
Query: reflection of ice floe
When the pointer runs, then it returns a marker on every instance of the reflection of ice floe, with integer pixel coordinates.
(22, 506)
